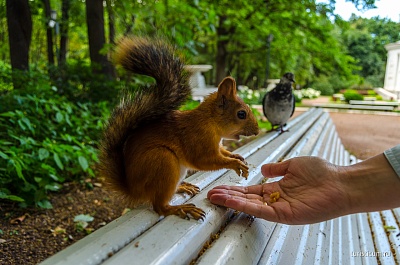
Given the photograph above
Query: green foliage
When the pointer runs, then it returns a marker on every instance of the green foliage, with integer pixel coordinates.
(190, 104)
(365, 40)
(262, 122)
(82, 221)
(328, 85)
(251, 97)
(77, 82)
(352, 94)
(44, 142)
(323, 84)
(301, 30)
(5, 77)
(298, 96)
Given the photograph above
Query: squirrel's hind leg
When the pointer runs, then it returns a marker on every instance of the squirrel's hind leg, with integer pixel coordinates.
(167, 185)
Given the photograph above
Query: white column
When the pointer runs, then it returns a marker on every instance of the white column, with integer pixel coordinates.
(197, 79)
(392, 74)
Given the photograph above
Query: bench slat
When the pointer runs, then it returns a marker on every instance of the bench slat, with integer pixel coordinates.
(392, 229)
(380, 238)
(366, 240)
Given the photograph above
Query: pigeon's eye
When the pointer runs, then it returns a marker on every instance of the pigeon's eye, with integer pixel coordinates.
(242, 114)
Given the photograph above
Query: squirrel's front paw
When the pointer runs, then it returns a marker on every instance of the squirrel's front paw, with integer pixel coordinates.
(242, 169)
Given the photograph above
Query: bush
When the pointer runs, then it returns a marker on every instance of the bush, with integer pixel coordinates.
(44, 142)
(298, 96)
(330, 85)
(308, 93)
(323, 84)
(351, 94)
(251, 97)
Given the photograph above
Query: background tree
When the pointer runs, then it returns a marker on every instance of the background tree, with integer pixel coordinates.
(308, 39)
(365, 40)
(60, 114)
(19, 23)
(96, 36)
(49, 31)
(64, 26)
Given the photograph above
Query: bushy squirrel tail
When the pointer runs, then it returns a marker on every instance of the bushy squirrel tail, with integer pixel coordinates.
(154, 58)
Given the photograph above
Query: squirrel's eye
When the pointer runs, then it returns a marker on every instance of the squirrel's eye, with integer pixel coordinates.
(241, 114)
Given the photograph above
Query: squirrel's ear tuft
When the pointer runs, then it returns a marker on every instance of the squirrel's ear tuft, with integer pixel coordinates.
(227, 88)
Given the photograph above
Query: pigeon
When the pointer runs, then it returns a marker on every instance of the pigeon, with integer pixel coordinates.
(279, 103)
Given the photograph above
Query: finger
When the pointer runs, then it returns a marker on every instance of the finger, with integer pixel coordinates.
(255, 189)
(250, 207)
(218, 189)
(275, 169)
(221, 198)
(234, 193)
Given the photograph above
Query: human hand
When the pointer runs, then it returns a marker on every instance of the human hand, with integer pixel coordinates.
(311, 191)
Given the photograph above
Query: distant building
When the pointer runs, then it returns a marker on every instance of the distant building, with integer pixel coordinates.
(392, 74)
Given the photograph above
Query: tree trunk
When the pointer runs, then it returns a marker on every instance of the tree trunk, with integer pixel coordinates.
(64, 32)
(95, 23)
(222, 53)
(19, 21)
(221, 60)
(111, 24)
(49, 32)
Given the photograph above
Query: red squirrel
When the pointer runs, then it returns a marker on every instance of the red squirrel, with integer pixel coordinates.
(148, 144)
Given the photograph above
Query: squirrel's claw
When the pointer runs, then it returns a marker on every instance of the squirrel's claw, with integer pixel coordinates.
(242, 169)
(188, 188)
(237, 156)
(186, 211)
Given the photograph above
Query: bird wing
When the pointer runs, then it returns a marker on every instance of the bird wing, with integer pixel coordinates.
(294, 105)
(264, 103)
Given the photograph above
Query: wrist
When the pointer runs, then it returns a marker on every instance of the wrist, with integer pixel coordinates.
(371, 185)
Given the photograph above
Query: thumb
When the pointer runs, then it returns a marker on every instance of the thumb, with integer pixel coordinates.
(275, 169)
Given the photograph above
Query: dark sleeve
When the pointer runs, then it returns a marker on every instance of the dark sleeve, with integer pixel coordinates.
(393, 156)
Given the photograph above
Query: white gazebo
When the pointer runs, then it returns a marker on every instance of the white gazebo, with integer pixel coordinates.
(392, 74)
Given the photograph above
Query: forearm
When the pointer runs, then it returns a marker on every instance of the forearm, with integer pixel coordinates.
(371, 185)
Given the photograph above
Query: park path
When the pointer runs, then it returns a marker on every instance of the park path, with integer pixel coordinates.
(363, 134)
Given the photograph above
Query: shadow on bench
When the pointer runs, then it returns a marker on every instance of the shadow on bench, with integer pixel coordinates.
(142, 237)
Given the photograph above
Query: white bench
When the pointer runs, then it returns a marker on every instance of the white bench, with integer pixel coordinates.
(226, 237)
(355, 107)
(374, 103)
(386, 94)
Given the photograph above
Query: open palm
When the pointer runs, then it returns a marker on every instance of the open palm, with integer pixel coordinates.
(310, 192)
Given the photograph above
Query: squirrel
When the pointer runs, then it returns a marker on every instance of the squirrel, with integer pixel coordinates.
(148, 143)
